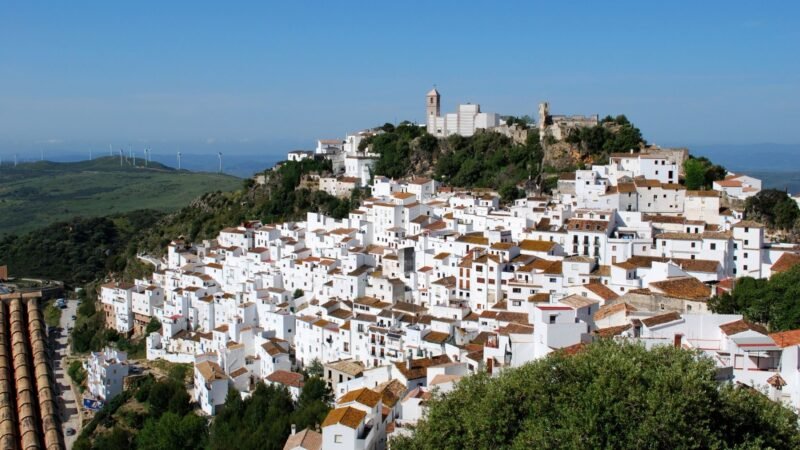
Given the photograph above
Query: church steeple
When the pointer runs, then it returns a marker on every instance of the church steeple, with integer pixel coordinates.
(432, 109)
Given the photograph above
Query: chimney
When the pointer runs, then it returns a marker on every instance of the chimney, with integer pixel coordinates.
(294, 429)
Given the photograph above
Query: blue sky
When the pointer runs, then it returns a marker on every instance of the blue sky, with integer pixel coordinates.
(274, 75)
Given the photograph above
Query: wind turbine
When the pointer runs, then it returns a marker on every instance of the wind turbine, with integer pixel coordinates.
(110, 150)
(179, 160)
(220, 161)
(90, 154)
(15, 160)
(120, 157)
(134, 158)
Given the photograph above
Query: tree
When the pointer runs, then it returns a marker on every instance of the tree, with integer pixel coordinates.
(152, 326)
(298, 293)
(770, 301)
(315, 368)
(694, 174)
(609, 395)
(773, 207)
(173, 431)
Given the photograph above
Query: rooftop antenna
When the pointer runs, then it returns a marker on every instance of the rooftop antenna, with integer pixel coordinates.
(220, 161)
(179, 160)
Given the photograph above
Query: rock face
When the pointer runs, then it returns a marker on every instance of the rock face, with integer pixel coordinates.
(560, 156)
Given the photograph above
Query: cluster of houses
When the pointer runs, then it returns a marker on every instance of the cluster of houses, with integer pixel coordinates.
(423, 285)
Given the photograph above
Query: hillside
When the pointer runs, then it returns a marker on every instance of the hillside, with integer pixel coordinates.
(33, 195)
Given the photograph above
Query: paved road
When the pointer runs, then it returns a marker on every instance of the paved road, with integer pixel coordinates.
(67, 401)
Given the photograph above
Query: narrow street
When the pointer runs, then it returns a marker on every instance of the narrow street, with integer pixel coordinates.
(67, 401)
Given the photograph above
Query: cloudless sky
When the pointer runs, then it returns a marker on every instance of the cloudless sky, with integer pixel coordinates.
(282, 74)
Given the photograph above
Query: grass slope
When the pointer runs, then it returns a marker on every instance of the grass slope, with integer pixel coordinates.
(36, 194)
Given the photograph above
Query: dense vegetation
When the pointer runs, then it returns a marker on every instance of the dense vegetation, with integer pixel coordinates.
(485, 160)
(701, 173)
(774, 208)
(242, 426)
(90, 333)
(159, 415)
(79, 250)
(33, 195)
(86, 249)
(609, 395)
(489, 160)
(613, 134)
(772, 301)
(153, 415)
(281, 198)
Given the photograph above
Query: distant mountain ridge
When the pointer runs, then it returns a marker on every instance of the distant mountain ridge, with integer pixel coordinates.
(36, 194)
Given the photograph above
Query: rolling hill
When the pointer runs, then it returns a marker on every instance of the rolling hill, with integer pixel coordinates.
(33, 195)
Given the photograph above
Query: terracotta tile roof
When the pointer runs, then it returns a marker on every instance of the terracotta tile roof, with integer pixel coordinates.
(364, 396)
(306, 439)
(785, 262)
(391, 392)
(740, 326)
(419, 367)
(348, 416)
(612, 331)
(436, 337)
(601, 290)
(661, 319)
(609, 310)
(748, 223)
(578, 301)
(536, 246)
(786, 338)
(286, 378)
(211, 371)
(542, 297)
(689, 288)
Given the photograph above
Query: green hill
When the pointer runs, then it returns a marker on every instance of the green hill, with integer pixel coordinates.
(33, 195)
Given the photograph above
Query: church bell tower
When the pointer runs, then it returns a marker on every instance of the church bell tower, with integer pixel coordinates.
(432, 109)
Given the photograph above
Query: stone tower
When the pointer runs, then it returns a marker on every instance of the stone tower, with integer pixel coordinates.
(432, 109)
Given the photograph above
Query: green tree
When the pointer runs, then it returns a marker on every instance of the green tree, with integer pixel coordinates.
(173, 431)
(315, 368)
(694, 174)
(298, 293)
(152, 326)
(610, 395)
(770, 301)
(773, 207)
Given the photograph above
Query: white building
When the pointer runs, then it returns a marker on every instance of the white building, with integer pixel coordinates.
(465, 121)
(106, 372)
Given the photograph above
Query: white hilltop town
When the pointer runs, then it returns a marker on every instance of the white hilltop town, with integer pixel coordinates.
(424, 284)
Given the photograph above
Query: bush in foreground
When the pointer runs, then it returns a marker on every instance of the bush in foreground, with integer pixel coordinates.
(609, 395)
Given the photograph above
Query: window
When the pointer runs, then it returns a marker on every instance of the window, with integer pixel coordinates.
(746, 242)
(552, 318)
(713, 246)
(744, 267)
(693, 244)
